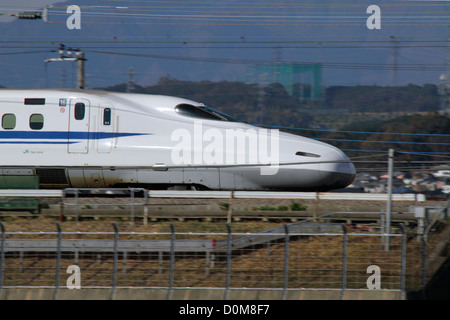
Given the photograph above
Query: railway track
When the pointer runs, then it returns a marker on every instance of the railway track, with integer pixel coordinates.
(140, 204)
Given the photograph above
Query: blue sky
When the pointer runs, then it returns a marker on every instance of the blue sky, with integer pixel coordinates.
(220, 40)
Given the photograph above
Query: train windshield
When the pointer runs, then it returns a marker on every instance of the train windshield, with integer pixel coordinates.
(203, 112)
(218, 114)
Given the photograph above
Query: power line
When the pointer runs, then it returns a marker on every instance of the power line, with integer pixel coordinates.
(410, 67)
(384, 141)
(421, 153)
(255, 14)
(358, 132)
(224, 45)
(231, 40)
(23, 52)
(262, 24)
(235, 42)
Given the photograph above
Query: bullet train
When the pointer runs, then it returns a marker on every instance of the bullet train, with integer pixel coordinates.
(96, 139)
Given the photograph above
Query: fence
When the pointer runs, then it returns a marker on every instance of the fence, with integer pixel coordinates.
(129, 193)
(277, 260)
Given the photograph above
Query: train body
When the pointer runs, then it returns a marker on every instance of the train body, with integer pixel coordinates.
(97, 139)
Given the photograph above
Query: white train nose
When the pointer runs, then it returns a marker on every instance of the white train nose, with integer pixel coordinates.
(336, 170)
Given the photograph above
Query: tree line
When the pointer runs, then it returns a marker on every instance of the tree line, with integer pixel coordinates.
(251, 102)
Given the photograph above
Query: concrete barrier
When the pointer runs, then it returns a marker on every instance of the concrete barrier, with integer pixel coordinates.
(236, 194)
(194, 294)
(27, 294)
(282, 195)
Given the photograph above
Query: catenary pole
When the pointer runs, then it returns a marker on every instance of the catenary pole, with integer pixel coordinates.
(389, 196)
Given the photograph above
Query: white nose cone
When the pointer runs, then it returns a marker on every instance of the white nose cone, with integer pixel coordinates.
(336, 170)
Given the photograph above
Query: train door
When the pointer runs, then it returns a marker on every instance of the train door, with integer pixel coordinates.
(78, 137)
(105, 131)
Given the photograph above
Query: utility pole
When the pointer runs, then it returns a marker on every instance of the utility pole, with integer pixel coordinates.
(261, 94)
(277, 62)
(389, 198)
(130, 83)
(79, 58)
(394, 61)
(444, 86)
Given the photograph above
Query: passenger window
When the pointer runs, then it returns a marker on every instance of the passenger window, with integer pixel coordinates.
(106, 116)
(36, 121)
(8, 121)
(79, 111)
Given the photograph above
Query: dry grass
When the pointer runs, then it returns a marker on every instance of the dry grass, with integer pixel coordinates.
(314, 261)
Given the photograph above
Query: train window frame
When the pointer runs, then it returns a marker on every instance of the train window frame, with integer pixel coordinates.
(79, 111)
(36, 124)
(107, 113)
(7, 119)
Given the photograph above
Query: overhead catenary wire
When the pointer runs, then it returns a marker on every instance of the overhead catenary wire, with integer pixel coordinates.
(23, 52)
(249, 13)
(284, 42)
(330, 65)
(254, 61)
(358, 132)
(233, 43)
(421, 153)
(385, 141)
(252, 7)
(223, 13)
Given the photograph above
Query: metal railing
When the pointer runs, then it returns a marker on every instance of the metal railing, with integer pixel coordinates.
(129, 193)
(235, 194)
(281, 260)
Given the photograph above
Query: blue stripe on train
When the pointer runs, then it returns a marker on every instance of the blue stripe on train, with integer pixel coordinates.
(36, 142)
(59, 135)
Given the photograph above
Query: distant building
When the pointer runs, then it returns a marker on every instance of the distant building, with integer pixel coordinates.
(302, 80)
